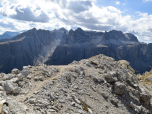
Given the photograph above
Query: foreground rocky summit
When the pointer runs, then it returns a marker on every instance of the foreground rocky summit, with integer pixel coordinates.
(98, 85)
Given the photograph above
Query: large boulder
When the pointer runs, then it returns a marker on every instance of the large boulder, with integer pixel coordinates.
(10, 88)
(25, 72)
(16, 90)
(20, 76)
(8, 76)
(120, 88)
(123, 63)
(111, 76)
(144, 96)
(15, 71)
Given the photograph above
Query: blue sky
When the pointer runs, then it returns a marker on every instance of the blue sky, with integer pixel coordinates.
(131, 6)
(133, 16)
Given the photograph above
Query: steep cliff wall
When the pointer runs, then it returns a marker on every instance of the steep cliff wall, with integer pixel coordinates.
(29, 48)
(79, 44)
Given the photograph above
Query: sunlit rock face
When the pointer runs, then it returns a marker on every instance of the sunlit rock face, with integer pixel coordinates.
(97, 85)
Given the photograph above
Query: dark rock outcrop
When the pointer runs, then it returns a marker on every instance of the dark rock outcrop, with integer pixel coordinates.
(62, 47)
(29, 48)
(80, 44)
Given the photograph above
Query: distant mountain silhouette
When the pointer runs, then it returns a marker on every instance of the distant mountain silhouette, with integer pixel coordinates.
(9, 34)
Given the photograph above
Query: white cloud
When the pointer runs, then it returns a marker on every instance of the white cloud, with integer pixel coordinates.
(54, 14)
(117, 2)
(147, 0)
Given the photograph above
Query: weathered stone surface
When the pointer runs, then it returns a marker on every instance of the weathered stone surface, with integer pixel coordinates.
(124, 63)
(8, 86)
(111, 76)
(8, 76)
(1, 105)
(1, 88)
(20, 76)
(25, 72)
(15, 71)
(14, 80)
(151, 102)
(120, 88)
(76, 89)
(1, 83)
(16, 90)
(145, 97)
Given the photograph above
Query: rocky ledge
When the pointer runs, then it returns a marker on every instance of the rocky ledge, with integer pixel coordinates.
(98, 85)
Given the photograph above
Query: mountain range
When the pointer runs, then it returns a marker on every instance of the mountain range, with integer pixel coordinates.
(80, 44)
(10, 34)
(61, 47)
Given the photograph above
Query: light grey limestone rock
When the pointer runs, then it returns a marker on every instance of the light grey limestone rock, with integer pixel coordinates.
(120, 88)
(25, 72)
(20, 84)
(16, 90)
(8, 76)
(20, 76)
(2, 101)
(14, 80)
(1, 88)
(15, 71)
(145, 97)
(1, 83)
(111, 76)
(8, 86)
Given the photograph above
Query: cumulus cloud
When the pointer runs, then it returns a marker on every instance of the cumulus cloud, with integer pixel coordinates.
(147, 0)
(7, 25)
(26, 13)
(78, 7)
(54, 14)
(117, 2)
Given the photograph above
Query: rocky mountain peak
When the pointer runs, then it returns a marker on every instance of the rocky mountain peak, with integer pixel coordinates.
(74, 37)
(131, 37)
(28, 48)
(97, 85)
(34, 29)
(62, 29)
(114, 35)
(70, 31)
(79, 29)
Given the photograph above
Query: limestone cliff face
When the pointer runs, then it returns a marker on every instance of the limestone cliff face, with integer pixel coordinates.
(136, 55)
(62, 47)
(29, 48)
(80, 44)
